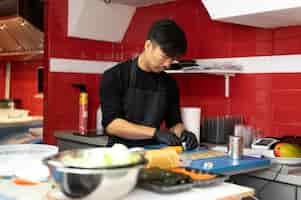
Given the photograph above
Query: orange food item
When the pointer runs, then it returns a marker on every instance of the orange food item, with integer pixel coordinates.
(19, 181)
(193, 175)
(164, 159)
(178, 149)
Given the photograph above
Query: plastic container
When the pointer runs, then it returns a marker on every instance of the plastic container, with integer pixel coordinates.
(99, 128)
(16, 159)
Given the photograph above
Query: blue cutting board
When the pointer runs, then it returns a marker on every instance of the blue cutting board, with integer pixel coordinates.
(225, 164)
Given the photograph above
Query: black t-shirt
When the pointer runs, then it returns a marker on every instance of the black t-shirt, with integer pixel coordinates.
(115, 82)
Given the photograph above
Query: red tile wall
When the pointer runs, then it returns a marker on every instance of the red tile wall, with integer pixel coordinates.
(267, 101)
(61, 100)
(24, 85)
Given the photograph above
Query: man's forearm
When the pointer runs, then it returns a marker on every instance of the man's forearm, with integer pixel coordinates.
(125, 129)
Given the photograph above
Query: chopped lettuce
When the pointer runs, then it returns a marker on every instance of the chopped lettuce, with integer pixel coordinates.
(106, 157)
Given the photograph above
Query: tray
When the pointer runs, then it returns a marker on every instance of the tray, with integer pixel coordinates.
(163, 181)
(166, 189)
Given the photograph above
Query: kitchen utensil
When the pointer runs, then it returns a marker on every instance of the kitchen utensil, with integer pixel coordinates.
(235, 147)
(191, 117)
(97, 181)
(217, 130)
(264, 143)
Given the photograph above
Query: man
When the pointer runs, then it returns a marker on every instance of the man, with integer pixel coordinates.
(137, 95)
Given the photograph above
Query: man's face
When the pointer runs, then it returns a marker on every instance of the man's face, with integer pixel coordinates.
(157, 60)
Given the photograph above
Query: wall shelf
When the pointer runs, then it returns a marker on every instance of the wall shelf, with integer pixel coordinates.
(226, 73)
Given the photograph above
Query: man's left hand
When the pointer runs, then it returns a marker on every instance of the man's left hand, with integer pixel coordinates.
(190, 140)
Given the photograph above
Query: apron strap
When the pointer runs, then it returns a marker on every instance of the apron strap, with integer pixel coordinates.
(133, 73)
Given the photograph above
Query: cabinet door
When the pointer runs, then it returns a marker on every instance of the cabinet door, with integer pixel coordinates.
(271, 190)
(299, 193)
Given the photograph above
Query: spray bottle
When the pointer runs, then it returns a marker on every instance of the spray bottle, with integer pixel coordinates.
(83, 109)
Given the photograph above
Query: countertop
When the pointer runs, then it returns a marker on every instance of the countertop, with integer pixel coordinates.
(280, 173)
(32, 120)
(44, 191)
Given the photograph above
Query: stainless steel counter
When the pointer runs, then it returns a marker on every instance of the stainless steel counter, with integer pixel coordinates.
(69, 140)
(18, 122)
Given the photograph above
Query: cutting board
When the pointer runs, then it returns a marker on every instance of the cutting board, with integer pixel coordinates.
(226, 165)
(202, 154)
(221, 163)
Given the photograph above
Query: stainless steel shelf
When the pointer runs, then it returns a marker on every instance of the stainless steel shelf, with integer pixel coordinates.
(226, 73)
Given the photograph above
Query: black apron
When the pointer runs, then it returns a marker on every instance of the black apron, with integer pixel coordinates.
(144, 107)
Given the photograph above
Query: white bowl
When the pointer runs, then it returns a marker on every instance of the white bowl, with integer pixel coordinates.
(15, 159)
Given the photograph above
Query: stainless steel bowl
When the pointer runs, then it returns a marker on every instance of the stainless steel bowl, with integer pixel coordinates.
(95, 182)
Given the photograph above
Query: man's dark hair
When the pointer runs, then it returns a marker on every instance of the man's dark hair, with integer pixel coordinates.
(169, 36)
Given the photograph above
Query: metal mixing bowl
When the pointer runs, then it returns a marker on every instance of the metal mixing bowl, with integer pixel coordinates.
(95, 182)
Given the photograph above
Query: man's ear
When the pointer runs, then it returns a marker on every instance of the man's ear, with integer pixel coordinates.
(147, 44)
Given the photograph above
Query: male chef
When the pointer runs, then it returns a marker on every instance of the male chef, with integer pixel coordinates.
(137, 95)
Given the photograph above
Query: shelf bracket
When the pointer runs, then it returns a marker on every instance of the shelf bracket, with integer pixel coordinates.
(227, 84)
(7, 80)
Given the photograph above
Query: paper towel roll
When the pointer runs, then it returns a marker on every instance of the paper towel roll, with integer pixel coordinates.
(191, 117)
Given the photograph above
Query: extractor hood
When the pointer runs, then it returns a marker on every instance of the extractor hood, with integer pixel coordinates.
(21, 26)
(257, 13)
(103, 20)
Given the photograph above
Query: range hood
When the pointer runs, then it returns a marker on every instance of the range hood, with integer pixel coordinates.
(103, 20)
(21, 26)
(257, 13)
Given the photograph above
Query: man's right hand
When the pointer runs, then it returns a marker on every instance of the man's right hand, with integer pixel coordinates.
(167, 137)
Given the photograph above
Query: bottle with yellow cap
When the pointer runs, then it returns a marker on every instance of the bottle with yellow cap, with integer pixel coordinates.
(83, 109)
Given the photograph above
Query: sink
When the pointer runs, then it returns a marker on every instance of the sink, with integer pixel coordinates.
(14, 115)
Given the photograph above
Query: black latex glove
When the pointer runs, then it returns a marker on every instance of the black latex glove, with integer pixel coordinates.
(167, 137)
(190, 140)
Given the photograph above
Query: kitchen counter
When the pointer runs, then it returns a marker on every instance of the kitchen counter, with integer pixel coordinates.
(19, 131)
(280, 173)
(44, 191)
(272, 184)
(277, 182)
(224, 191)
(33, 120)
